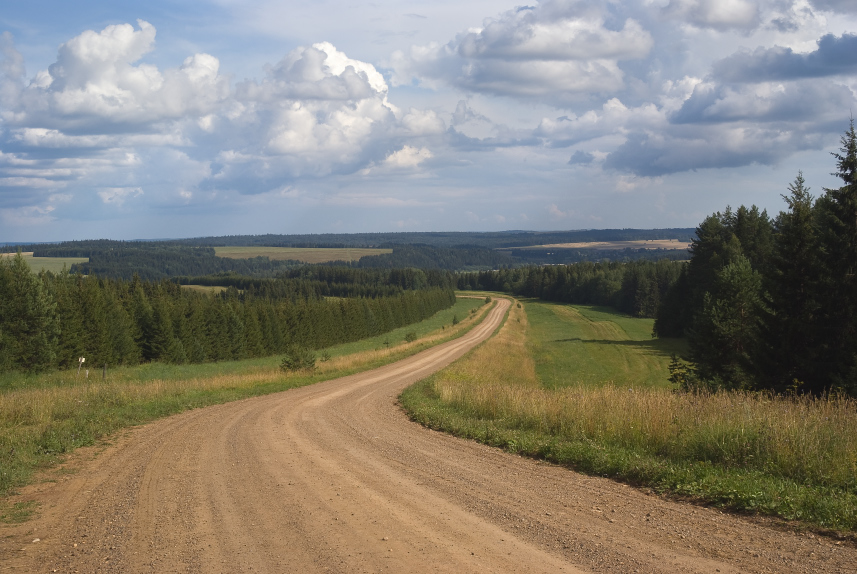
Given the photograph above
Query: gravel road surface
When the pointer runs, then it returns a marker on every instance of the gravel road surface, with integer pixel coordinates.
(334, 478)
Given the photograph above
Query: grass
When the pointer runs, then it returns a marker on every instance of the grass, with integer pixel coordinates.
(611, 245)
(305, 254)
(44, 417)
(52, 264)
(596, 346)
(793, 458)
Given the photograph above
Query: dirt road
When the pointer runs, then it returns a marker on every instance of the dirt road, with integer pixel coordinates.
(334, 478)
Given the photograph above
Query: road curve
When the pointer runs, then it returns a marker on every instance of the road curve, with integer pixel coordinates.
(334, 478)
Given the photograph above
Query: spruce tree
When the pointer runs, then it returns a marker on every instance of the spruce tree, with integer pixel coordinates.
(29, 321)
(791, 331)
(837, 232)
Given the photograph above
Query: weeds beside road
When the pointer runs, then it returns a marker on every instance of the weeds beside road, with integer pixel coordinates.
(43, 417)
(791, 457)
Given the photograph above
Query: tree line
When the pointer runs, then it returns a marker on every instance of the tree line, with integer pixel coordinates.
(772, 303)
(635, 287)
(47, 321)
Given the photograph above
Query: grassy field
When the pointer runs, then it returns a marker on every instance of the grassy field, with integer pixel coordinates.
(211, 289)
(793, 458)
(596, 346)
(613, 245)
(52, 264)
(307, 255)
(43, 417)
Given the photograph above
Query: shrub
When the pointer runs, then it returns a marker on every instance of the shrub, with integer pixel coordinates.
(410, 337)
(298, 358)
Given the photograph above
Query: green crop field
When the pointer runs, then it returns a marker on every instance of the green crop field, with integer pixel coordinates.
(52, 264)
(307, 255)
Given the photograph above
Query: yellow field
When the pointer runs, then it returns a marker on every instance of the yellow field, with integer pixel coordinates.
(206, 288)
(612, 245)
(52, 264)
(305, 254)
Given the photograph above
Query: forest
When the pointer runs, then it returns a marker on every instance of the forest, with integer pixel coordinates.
(462, 251)
(635, 287)
(48, 321)
(765, 303)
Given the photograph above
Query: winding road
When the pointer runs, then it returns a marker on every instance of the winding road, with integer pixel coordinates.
(334, 478)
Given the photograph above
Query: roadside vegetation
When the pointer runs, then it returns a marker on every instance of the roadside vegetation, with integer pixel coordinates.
(605, 408)
(45, 416)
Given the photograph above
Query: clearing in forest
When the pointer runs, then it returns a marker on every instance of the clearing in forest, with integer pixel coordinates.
(305, 254)
(52, 264)
(595, 346)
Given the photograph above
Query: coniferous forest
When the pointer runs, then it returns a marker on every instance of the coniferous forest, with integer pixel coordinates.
(765, 304)
(48, 321)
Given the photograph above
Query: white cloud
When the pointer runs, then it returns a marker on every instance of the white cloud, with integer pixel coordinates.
(407, 158)
(552, 51)
(96, 77)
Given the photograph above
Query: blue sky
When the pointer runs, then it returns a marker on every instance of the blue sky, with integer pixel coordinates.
(179, 119)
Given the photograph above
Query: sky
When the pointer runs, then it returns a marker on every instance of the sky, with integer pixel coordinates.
(171, 119)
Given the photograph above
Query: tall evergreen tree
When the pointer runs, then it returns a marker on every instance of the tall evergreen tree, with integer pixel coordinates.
(726, 331)
(28, 317)
(791, 331)
(837, 233)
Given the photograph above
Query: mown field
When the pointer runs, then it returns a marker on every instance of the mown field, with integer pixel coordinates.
(52, 264)
(43, 417)
(304, 254)
(580, 386)
(591, 345)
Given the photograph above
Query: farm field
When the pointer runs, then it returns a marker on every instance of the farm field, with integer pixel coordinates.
(211, 289)
(613, 245)
(582, 387)
(304, 254)
(52, 264)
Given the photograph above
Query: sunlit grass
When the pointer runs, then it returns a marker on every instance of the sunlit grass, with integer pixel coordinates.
(793, 457)
(42, 417)
(305, 254)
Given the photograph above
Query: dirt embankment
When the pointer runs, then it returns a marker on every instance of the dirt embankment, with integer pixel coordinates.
(334, 478)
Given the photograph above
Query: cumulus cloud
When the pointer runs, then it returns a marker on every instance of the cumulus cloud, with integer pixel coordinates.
(318, 111)
(719, 146)
(407, 158)
(716, 14)
(766, 102)
(834, 56)
(552, 51)
(97, 77)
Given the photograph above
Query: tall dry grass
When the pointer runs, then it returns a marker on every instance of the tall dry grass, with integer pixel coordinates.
(39, 423)
(787, 443)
